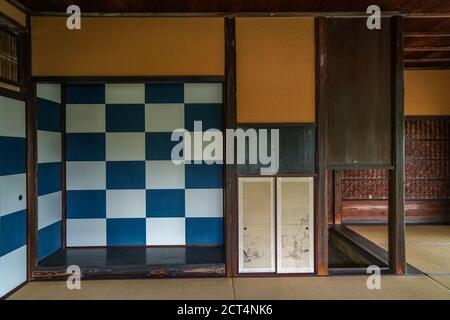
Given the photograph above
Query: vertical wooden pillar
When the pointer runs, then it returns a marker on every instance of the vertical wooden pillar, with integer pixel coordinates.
(337, 199)
(63, 168)
(230, 192)
(29, 90)
(321, 185)
(32, 226)
(396, 219)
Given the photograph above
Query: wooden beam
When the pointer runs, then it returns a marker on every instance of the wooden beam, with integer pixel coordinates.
(231, 185)
(396, 216)
(427, 34)
(427, 65)
(428, 60)
(426, 49)
(321, 183)
(437, 6)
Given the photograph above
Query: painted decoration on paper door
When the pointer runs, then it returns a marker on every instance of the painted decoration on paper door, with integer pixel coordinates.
(295, 210)
(256, 225)
(122, 186)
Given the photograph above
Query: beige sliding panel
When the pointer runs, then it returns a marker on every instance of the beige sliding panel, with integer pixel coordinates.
(256, 225)
(295, 212)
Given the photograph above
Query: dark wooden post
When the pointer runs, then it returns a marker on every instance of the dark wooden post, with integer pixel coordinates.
(63, 168)
(321, 184)
(230, 194)
(396, 219)
(337, 199)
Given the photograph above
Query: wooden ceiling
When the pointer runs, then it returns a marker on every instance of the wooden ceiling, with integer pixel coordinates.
(427, 22)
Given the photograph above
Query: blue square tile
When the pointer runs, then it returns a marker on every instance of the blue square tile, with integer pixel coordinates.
(164, 93)
(165, 203)
(86, 204)
(48, 115)
(125, 118)
(204, 231)
(49, 178)
(12, 155)
(158, 146)
(125, 232)
(85, 147)
(13, 229)
(49, 240)
(85, 94)
(125, 175)
(204, 176)
(209, 114)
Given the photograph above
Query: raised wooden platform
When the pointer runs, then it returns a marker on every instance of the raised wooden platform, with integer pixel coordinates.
(134, 262)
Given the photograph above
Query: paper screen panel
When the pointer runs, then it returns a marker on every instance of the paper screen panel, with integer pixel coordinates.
(295, 211)
(256, 225)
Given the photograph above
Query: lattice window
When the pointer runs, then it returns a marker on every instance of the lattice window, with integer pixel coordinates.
(8, 57)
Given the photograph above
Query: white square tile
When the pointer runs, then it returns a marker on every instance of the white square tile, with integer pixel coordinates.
(13, 268)
(85, 118)
(49, 209)
(86, 175)
(204, 202)
(125, 146)
(166, 231)
(12, 118)
(49, 91)
(125, 204)
(125, 93)
(49, 146)
(164, 175)
(164, 117)
(86, 232)
(11, 188)
(203, 93)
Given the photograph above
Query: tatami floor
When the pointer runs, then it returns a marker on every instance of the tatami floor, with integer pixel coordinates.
(428, 249)
(348, 287)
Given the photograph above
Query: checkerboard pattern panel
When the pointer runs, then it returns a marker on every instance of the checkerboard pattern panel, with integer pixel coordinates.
(122, 186)
(13, 260)
(49, 168)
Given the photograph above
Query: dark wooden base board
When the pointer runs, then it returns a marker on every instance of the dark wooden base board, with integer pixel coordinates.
(133, 262)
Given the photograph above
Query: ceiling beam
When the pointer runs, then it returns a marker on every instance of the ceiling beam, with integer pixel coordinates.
(426, 34)
(420, 49)
(428, 60)
(435, 7)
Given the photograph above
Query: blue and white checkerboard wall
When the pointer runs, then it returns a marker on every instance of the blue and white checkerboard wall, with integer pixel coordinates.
(13, 249)
(49, 168)
(122, 187)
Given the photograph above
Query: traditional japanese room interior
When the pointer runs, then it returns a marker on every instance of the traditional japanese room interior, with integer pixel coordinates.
(87, 176)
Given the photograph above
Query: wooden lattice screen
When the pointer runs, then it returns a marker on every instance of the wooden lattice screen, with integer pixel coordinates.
(427, 166)
(8, 57)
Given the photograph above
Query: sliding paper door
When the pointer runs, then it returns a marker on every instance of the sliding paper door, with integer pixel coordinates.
(13, 203)
(295, 211)
(256, 225)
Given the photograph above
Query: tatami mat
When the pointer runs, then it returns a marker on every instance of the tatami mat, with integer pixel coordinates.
(427, 246)
(444, 280)
(152, 289)
(334, 287)
(350, 287)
